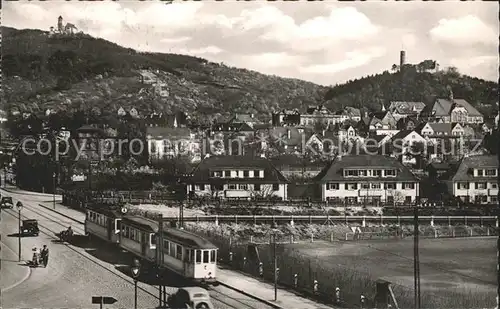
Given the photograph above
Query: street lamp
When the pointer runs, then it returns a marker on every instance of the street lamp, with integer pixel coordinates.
(275, 258)
(19, 206)
(136, 270)
(54, 190)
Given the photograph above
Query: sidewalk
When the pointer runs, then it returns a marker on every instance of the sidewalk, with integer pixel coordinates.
(237, 281)
(11, 273)
(64, 211)
(264, 291)
(15, 190)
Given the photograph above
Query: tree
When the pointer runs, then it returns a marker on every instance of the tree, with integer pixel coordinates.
(398, 197)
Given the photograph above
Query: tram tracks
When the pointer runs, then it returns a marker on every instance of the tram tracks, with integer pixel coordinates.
(228, 298)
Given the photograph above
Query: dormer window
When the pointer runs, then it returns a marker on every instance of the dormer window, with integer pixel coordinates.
(479, 173)
(390, 173)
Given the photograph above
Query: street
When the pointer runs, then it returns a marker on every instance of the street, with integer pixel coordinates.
(75, 273)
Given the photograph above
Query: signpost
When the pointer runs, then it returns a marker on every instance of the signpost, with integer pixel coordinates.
(19, 206)
(103, 300)
(136, 271)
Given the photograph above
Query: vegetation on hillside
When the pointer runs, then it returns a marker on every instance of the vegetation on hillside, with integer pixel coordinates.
(82, 72)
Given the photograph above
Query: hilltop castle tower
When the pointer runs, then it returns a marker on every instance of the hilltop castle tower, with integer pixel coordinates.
(402, 58)
(60, 26)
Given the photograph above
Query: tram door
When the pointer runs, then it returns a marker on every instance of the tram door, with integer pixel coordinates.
(109, 228)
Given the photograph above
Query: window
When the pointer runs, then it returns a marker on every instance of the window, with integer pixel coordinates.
(408, 186)
(246, 174)
(243, 187)
(351, 186)
(166, 246)
(390, 185)
(171, 251)
(479, 173)
(198, 256)
(276, 187)
(166, 146)
(332, 186)
(407, 199)
(491, 172)
(362, 173)
(256, 173)
(256, 187)
(231, 186)
(376, 186)
(126, 232)
(462, 186)
(212, 256)
(227, 173)
(206, 256)
(153, 147)
(365, 186)
(217, 174)
(191, 255)
(494, 185)
(390, 173)
(153, 239)
(480, 185)
(132, 234)
(178, 252)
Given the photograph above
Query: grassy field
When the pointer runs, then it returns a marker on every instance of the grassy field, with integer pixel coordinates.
(462, 265)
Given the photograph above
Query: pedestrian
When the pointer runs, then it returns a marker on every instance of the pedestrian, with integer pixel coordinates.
(45, 255)
(35, 258)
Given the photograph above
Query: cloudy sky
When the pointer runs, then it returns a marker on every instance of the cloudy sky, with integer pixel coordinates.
(325, 42)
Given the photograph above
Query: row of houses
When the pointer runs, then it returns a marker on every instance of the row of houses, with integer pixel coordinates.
(349, 179)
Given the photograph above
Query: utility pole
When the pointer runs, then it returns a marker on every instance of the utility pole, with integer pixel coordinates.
(159, 260)
(416, 260)
(275, 269)
(498, 220)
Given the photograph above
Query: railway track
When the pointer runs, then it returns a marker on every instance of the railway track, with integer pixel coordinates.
(222, 294)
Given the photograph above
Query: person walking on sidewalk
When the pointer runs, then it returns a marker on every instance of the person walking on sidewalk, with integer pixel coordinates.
(45, 255)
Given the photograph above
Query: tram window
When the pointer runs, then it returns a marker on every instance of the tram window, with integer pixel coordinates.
(205, 256)
(166, 246)
(198, 256)
(132, 234)
(125, 231)
(212, 256)
(188, 255)
(191, 255)
(117, 225)
(179, 252)
(172, 249)
(152, 240)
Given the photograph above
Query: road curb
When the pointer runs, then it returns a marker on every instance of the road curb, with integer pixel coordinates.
(267, 302)
(61, 214)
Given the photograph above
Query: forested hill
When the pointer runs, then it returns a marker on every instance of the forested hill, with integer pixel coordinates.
(415, 83)
(82, 72)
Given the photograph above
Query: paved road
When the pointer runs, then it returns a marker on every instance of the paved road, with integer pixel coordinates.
(76, 273)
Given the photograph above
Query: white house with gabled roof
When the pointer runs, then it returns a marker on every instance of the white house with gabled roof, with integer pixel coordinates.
(370, 179)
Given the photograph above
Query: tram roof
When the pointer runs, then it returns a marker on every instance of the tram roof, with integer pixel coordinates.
(141, 223)
(188, 239)
(105, 210)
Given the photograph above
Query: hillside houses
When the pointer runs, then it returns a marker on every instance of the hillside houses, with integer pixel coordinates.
(402, 109)
(452, 110)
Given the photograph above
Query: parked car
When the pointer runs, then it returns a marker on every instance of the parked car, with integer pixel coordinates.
(30, 228)
(6, 202)
(190, 298)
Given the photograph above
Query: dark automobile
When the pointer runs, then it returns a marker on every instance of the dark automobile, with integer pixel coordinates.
(7, 202)
(30, 227)
(190, 298)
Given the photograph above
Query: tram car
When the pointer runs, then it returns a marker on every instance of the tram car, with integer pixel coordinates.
(103, 224)
(183, 252)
